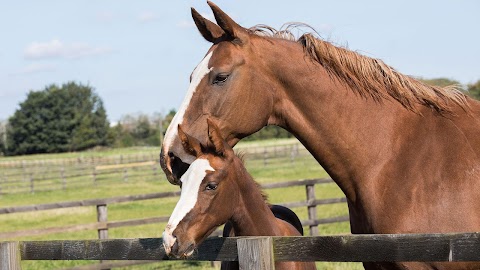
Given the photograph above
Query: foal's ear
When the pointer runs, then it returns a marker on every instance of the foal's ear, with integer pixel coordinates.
(210, 31)
(235, 32)
(189, 143)
(215, 137)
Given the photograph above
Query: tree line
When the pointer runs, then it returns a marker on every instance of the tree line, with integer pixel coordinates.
(72, 117)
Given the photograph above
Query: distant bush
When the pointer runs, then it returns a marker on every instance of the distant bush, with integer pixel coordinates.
(57, 119)
(141, 129)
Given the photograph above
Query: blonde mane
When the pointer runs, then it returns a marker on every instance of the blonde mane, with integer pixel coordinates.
(368, 76)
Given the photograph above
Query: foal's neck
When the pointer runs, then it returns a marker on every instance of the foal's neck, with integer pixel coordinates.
(252, 216)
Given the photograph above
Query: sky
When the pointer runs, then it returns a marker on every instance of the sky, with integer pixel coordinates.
(138, 55)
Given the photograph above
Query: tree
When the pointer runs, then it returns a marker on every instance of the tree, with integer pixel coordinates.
(3, 137)
(474, 90)
(442, 82)
(58, 119)
(138, 130)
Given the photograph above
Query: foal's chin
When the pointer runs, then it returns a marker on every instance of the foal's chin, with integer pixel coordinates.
(188, 249)
(184, 253)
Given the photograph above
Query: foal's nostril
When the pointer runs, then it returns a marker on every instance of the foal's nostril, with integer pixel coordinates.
(174, 250)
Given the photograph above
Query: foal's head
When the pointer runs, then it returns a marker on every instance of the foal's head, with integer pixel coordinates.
(209, 193)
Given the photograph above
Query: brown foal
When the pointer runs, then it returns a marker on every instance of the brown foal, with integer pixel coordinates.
(215, 189)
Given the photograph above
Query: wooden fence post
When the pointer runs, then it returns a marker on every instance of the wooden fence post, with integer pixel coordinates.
(154, 168)
(312, 209)
(265, 157)
(255, 253)
(10, 256)
(293, 152)
(102, 217)
(32, 187)
(125, 175)
(62, 174)
(94, 175)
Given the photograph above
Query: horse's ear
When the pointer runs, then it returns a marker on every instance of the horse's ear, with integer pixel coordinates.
(210, 31)
(189, 143)
(215, 137)
(232, 29)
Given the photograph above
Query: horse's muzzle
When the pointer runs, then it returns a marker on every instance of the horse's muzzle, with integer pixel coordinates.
(173, 167)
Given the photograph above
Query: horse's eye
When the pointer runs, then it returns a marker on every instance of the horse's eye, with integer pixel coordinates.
(220, 78)
(211, 186)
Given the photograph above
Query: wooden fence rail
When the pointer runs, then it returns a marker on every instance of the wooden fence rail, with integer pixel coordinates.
(453, 247)
(103, 224)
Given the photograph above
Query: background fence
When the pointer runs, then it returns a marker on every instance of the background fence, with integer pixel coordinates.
(29, 176)
(103, 223)
(101, 217)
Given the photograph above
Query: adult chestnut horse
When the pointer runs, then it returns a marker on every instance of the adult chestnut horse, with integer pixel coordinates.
(215, 189)
(405, 154)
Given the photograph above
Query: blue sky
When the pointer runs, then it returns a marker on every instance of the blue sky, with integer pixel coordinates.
(138, 55)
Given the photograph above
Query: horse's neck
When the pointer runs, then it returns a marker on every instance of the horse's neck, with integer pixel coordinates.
(252, 217)
(345, 132)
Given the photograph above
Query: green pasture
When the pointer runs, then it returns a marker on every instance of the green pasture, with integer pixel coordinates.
(276, 170)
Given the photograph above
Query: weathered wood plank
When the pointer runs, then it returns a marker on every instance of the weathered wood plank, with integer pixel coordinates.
(314, 202)
(136, 222)
(255, 253)
(213, 249)
(302, 182)
(346, 248)
(125, 165)
(100, 226)
(9, 256)
(325, 220)
(52, 230)
(92, 202)
(380, 248)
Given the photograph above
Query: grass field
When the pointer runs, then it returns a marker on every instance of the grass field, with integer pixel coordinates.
(281, 169)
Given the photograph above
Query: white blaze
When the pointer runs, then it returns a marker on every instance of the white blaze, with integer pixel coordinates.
(191, 181)
(172, 131)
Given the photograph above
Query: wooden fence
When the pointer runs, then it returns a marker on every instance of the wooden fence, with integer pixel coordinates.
(259, 252)
(29, 176)
(103, 224)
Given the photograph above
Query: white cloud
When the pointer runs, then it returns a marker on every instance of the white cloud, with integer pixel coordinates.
(147, 16)
(57, 49)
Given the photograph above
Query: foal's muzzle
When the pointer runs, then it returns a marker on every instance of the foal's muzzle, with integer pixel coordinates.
(173, 248)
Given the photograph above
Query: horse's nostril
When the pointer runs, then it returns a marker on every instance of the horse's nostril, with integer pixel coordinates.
(171, 155)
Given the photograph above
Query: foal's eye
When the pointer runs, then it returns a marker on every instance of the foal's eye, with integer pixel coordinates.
(220, 78)
(211, 186)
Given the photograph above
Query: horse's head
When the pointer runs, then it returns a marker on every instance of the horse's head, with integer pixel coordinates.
(229, 85)
(208, 197)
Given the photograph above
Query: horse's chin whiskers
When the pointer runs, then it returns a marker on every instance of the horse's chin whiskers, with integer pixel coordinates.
(190, 253)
